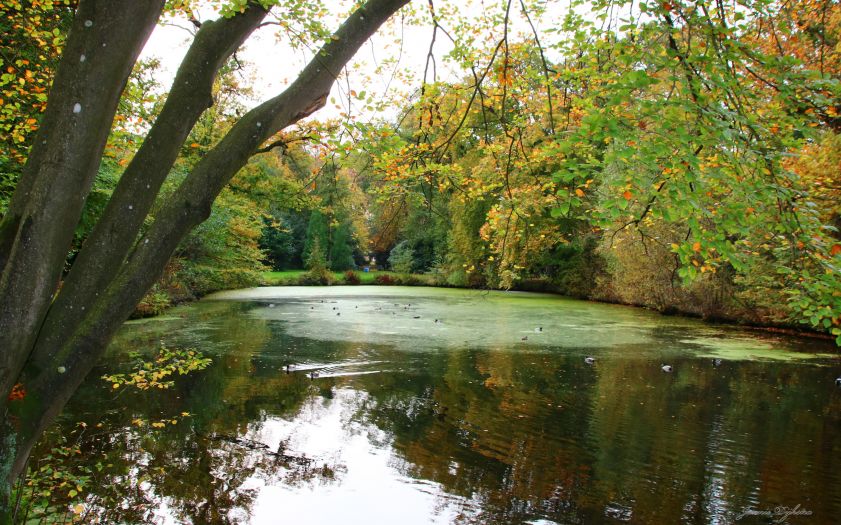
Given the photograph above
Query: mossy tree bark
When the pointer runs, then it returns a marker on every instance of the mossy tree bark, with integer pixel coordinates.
(53, 332)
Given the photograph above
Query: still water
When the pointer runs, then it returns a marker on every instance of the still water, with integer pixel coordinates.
(419, 406)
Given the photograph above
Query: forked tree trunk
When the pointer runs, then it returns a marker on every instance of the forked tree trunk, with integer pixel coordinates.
(51, 336)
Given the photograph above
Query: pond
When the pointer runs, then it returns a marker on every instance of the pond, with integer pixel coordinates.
(383, 405)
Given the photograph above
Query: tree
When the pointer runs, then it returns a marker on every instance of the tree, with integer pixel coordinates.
(341, 251)
(401, 258)
(54, 329)
(316, 261)
(317, 235)
(33, 36)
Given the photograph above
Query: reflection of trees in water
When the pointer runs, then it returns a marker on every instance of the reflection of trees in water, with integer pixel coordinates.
(518, 436)
(203, 468)
(200, 479)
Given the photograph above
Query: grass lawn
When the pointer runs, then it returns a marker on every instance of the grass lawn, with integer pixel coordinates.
(280, 278)
(290, 277)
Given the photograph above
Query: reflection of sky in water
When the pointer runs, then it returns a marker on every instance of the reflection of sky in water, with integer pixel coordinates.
(370, 488)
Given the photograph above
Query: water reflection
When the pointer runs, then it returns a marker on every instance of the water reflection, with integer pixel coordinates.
(464, 421)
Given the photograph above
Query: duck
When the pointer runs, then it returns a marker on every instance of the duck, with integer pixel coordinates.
(524, 338)
(666, 368)
(838, 381)
(717, 362)
(590, 360)
(313, 375)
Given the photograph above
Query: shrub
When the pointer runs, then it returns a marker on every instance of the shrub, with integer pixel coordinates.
(352, 277)
(317, 277)
(385, 279)
(153, 303)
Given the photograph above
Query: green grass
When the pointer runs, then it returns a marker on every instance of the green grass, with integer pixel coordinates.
(290, 277)
(280, 278)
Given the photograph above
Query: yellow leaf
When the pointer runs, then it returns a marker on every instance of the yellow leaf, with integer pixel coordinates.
(158, 425)
(579, 192)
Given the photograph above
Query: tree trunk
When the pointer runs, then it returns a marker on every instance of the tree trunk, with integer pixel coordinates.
(104, 41)
(55, 341)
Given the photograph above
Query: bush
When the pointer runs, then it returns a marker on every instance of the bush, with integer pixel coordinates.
(153, 303)
(352, 277)
(317, 277)
(385, 279)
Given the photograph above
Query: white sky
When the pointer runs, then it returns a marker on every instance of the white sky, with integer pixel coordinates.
(272, 64)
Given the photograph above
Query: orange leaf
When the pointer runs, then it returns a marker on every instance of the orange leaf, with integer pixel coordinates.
(835, 250)
(579, 192)
(627, 195)
(696, 247)
(17, 393)
(194, 145)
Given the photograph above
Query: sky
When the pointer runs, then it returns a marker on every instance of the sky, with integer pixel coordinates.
(271, 63)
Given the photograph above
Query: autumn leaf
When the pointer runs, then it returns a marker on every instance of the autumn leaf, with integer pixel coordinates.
(627, 195)
(835, 250)
(579, 192)
(18, 392)
(696, 247)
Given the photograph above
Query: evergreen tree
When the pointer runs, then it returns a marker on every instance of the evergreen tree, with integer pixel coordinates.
(315, 261)
(402, 257)
(341, 250)
(316, 233)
